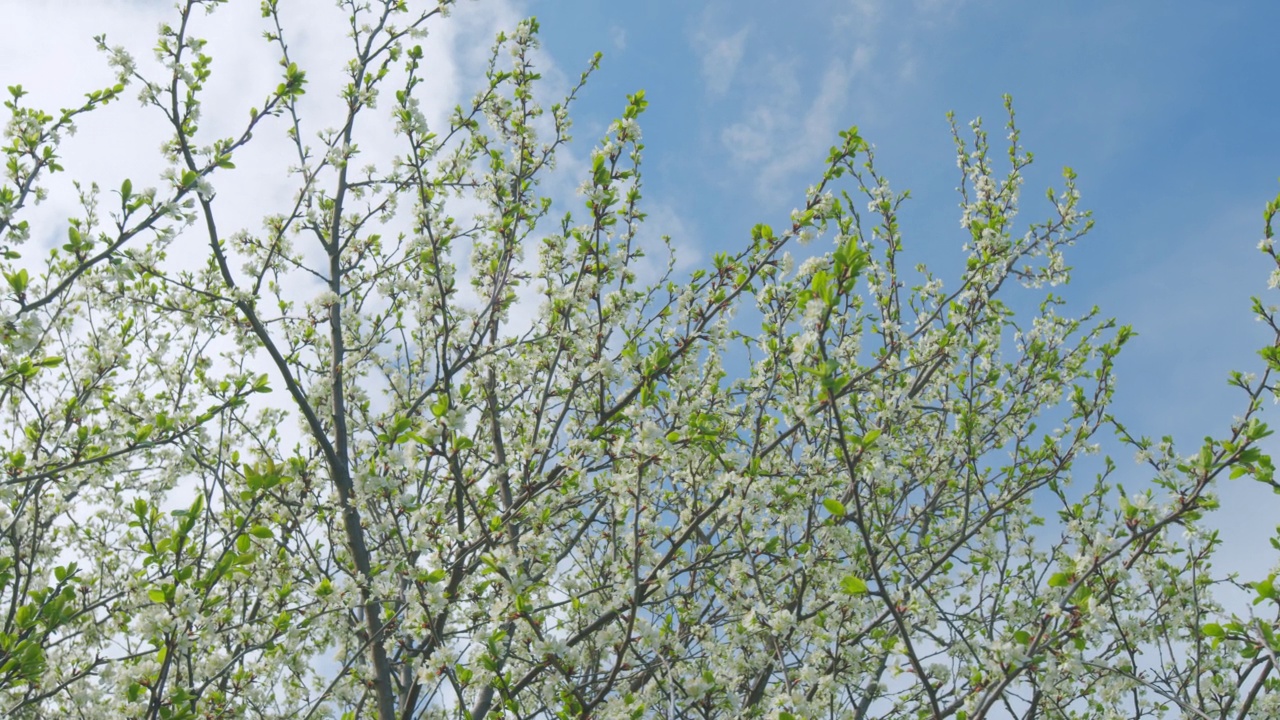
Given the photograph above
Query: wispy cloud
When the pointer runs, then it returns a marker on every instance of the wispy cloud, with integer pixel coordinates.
(792, 101)
(785, 131)
(618, 36)
(721, 55)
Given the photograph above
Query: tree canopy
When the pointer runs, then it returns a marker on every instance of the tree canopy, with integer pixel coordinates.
(434, 440)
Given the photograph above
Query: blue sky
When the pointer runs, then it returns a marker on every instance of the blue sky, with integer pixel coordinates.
(1161, 107)
(1166, 108)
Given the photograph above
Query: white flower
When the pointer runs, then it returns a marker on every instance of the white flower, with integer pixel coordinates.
(204, 188)
(810, 265)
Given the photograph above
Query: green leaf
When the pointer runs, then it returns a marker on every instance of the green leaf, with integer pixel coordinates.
(636, 104)
(440, 406)
(854, 585)
(31, 660)
(156, 595)
(26, 616)
(1265, 589)
(599, 172)
(1059, 580)
(1213, 630)
(18, 280)
(835, 507)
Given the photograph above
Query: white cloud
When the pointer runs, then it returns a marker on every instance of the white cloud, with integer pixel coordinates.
(785, 132)
(664, 220)
(720, 57)
(618, 36)
(794, 99)
(123, 140)
(788, 121)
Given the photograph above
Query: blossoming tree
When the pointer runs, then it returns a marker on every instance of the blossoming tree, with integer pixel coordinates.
(501, 473)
